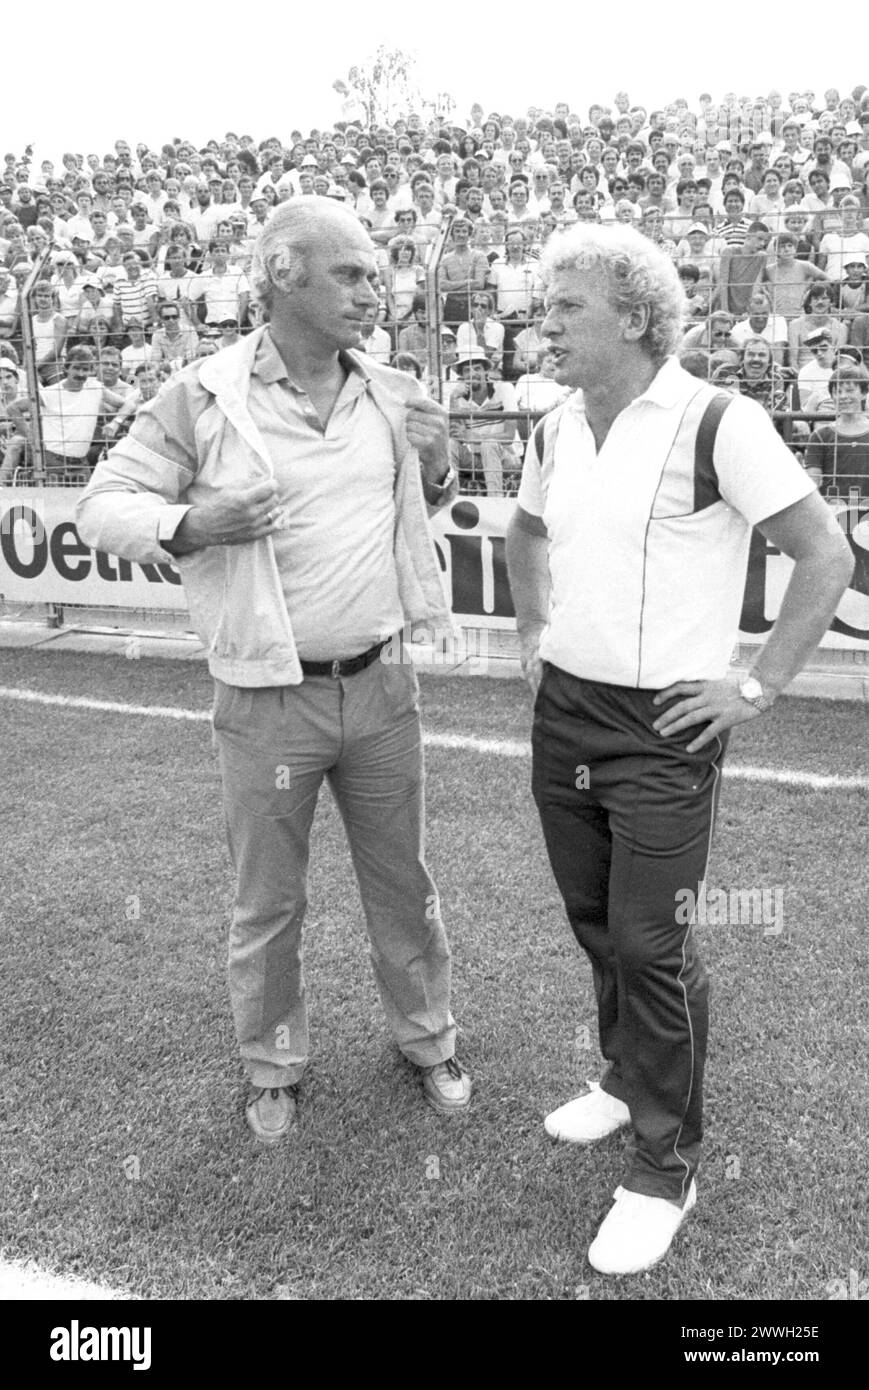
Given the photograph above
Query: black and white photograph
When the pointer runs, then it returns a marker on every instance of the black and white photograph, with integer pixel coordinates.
(434, 672)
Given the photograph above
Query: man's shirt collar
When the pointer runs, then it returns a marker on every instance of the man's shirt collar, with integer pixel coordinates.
(670, 385)
(269, 365)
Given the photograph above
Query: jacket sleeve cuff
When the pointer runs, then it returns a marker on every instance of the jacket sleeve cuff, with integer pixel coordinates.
(438, 494)
(168, 521)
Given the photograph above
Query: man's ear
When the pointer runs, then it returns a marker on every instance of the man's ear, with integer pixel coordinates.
(279, 270)
(636, 322)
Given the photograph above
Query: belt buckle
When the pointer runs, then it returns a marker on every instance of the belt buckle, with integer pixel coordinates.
(336, 670)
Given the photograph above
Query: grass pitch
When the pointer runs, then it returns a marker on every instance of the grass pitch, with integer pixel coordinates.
(126, 1156)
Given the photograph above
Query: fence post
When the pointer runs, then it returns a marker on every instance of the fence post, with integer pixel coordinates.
(433, 311)
(29, 355)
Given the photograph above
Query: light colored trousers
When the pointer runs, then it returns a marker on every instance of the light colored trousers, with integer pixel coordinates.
(275, 746)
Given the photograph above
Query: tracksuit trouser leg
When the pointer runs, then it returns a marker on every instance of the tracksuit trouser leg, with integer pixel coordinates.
(275, 746)
(628, 817)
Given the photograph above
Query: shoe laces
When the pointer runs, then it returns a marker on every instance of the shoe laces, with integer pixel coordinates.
(452, 1067)
(275, 1091)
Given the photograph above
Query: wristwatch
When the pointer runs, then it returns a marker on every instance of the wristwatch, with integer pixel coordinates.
(446, 481)
(752, 691)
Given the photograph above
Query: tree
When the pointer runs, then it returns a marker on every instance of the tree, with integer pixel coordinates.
(386, 86)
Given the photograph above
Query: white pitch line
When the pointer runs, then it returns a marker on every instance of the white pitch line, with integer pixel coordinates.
(25, 1281)
(39, 697)
(498, 747)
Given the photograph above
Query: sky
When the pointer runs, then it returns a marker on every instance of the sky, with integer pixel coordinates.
(106, 70)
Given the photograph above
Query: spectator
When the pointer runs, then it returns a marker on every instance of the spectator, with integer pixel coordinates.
(414, 337)
(49, 327)
(761, 379)
(652, 227)
(838, 453)
(516, 283)
(482, 331)
(814, 375)
(176, 282)
(79, 225)
(519, 212)
(222, 293)
(138, 351)
(816, 313)
(375, 340)
(696, 295)
(786, 277)
(530, 343)
(482, 453)
(69, 415)
(536, 392)
(146, 385)
(10, 390)
(850, 295)
(206, 216)
(229, 334)
(112, 268)
(741, 269)
(174, 341)
(762, 323)
(462, 271)
(850, 243)
(69, 288)
(429, 216)
(25, 208)
(95, 303)
(402, 278)
(692, 250)
(768, 205)
(734, 228)
(8, 304)
(676, 224)
(134, 296)
(407, 362)
(18, 454)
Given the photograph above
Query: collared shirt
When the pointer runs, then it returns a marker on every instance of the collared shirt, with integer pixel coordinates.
(648, 553)
(516, 286)
(335, 557)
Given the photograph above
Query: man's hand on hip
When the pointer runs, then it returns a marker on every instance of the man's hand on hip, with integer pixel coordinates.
(717, 704)
(235, 517)
(529, 659)
(428, 432)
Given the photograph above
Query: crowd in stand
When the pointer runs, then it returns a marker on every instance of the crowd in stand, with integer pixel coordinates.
(762, 205)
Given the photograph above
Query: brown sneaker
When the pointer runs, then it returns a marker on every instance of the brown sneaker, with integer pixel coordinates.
(446, 1086)
(271, 1112)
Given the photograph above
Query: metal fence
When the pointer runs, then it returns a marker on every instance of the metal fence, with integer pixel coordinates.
(461, 309)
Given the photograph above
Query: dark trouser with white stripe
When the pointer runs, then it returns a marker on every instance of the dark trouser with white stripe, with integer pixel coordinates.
(622, 843)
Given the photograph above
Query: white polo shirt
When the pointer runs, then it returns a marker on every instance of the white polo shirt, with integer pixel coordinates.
(647, 554)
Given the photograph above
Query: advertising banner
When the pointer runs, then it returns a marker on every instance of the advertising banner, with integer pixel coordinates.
(43, 560)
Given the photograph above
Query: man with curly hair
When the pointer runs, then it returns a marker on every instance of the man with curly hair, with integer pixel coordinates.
(627, 557)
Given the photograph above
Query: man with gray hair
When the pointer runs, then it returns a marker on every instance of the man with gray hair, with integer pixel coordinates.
(289, 477)
(627, 556)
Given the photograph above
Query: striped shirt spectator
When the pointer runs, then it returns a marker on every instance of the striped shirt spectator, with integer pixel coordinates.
(136, 296)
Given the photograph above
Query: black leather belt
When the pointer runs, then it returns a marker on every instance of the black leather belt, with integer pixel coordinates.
(348, 667)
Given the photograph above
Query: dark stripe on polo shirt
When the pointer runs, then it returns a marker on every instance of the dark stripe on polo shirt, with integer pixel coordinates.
(706, 491)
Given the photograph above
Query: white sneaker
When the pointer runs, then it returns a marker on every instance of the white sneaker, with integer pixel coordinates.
(637, 1232)
(588, 1118)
